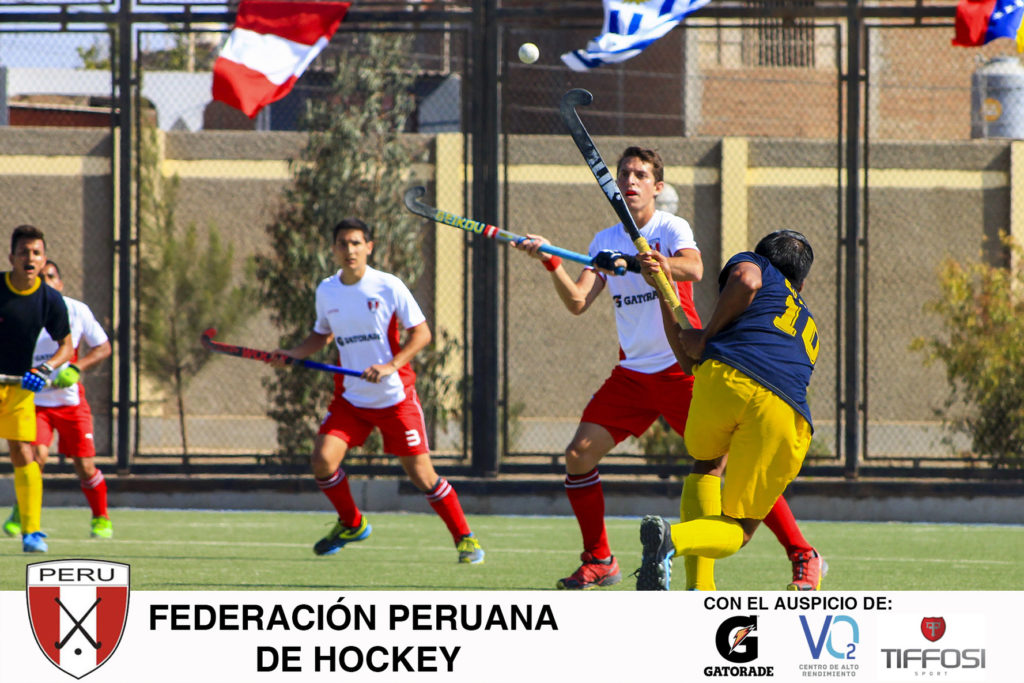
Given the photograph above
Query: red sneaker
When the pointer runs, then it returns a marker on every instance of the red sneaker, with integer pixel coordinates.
(592, 573)
(808, 568)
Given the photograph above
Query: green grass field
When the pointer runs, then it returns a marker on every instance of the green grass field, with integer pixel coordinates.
(210, 550)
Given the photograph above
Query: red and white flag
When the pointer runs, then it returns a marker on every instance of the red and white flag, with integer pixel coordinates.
(271, 45)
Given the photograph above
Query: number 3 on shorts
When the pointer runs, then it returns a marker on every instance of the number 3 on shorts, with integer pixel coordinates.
(412, 437)
(787, 323)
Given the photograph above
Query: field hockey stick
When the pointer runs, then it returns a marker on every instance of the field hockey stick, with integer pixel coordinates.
(413, 203)
(581, 137)
(257, 354)
(16, 379)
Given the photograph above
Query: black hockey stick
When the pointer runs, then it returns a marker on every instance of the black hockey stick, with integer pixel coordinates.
(257, 354)
(413, 203)
(78, 626)
(606, 180)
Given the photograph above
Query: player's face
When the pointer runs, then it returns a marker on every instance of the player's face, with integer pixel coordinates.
(52, 277)
(637, 184)
(351, 251)
(28, 259)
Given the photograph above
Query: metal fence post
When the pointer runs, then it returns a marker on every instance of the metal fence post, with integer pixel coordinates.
(484, 128)
(851, 400)
(124, 237)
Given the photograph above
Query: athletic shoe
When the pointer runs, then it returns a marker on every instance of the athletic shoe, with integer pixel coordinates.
(12, 527)
(34, 543)
(655, 572)
(342, 535)
(808, 568)
(592, 573)
(102, 528)
(470, 551)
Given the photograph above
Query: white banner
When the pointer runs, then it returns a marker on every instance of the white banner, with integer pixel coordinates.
(493, 637)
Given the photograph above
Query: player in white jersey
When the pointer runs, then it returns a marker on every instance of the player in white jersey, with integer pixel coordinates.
(65, 411)
(648, 381)
(362, 309)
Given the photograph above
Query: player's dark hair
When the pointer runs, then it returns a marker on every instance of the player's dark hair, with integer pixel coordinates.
(26, 232)
(352, 224)
(790, 252)
(648, 156)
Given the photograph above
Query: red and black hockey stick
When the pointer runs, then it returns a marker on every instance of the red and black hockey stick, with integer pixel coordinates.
(606, 180)
(257, 354)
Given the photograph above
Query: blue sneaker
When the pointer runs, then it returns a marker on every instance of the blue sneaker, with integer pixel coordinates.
(341, 535)
(470, 551)
(655, 572)
(33, 542)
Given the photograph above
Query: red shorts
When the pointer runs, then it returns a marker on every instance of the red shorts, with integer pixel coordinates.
(402, 425)
(73, 424)
(629, 401)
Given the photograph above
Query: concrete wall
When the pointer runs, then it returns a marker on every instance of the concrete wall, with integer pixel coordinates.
(925, 200)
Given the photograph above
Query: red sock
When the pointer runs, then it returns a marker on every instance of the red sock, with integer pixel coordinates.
(445, 502)
(587, 499)
(95, 490)
(780, 520)
(335, 487)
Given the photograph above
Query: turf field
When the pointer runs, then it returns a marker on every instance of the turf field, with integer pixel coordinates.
(209, 550)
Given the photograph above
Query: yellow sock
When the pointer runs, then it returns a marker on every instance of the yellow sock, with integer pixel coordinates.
(28, 487)
(702, 497)
(715, 537)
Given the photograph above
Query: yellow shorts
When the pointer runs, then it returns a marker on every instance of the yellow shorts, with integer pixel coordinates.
(766, 439)
(17, 413)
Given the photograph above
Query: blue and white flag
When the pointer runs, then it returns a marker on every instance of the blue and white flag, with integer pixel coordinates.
(629, 27)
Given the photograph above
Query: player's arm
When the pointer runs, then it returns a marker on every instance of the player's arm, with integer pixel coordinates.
(741, 286)
(95, 356)
(577, 295)
(652, 262)
(64, 352)
(686, 265)
(36, 378)
(307, 347)
(417, 338)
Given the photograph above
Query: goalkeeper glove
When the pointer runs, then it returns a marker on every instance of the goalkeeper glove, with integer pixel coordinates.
(36, 378)
(67, 377)
(606, 259)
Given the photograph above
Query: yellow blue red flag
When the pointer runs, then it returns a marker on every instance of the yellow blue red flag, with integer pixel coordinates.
(982, 21)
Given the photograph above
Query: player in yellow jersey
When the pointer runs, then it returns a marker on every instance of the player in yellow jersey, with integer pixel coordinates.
(752, 363)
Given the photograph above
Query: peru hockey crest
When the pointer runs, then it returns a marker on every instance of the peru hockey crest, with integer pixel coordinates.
(78, 610)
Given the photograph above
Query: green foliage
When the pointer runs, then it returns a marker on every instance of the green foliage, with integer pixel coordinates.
(184, 285)
(186, 53)
(982, 347)
(354, 163)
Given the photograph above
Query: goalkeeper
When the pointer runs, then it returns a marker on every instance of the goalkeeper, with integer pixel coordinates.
(27, 306)
(62, 408)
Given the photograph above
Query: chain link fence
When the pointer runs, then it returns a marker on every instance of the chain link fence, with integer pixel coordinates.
(748, 114)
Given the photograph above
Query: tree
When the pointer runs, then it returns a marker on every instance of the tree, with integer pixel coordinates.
(355, 163)
(184, 285)
(982, 347)
(188, 51)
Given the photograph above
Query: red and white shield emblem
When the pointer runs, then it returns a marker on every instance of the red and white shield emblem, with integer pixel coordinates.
(78, 610)
(932, 628)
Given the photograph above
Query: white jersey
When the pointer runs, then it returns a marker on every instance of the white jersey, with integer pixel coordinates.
(83, 326)
(642, 344)
(364, 320)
